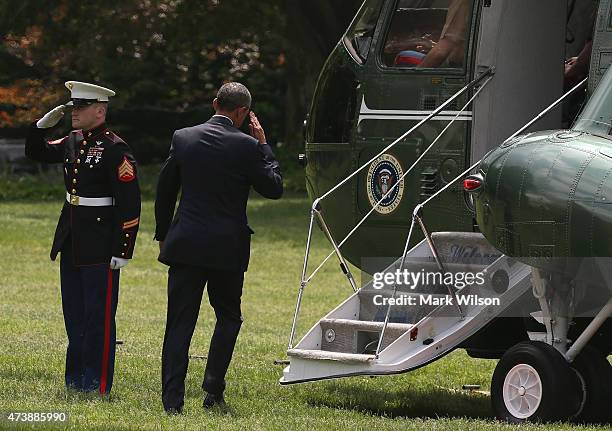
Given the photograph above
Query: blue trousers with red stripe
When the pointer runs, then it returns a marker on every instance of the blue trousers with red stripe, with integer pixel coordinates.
(89, 303)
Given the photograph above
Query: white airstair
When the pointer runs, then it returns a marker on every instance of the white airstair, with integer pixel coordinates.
(425, 322)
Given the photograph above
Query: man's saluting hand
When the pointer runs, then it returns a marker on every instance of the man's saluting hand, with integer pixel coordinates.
(256, 130)
(51, 118)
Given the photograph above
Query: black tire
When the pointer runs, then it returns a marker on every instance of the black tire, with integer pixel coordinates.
(596, 374)
(558, 388)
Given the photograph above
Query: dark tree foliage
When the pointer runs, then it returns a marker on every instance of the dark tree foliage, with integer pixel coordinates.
(166, 59)
(313, 29)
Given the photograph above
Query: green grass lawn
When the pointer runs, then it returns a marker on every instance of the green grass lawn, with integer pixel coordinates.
(33, 347)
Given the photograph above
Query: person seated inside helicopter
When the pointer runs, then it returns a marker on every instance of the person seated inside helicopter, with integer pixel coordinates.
(412, 50)
(428, 37)
(450, 49)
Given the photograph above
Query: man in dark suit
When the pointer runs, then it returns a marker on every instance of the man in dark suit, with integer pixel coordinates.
(208, 241)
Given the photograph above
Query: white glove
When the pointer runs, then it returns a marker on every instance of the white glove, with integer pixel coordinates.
(51, 118)
(117, 262)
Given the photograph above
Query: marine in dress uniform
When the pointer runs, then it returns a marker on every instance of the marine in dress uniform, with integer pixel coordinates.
(96, 231)
(207, 243)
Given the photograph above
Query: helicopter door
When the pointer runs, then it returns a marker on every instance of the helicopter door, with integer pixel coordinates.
(422, 59)
(524, 40)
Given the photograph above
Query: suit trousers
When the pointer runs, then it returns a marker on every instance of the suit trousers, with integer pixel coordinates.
(89, 303)
(185, 289)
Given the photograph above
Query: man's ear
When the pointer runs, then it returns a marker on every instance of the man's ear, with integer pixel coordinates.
(102, 110)
(215, 104)
(244, 111)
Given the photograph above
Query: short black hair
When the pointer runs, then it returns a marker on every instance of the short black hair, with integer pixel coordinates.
(233, 95)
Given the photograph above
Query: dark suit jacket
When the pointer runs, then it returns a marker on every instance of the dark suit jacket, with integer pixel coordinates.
(215, 165)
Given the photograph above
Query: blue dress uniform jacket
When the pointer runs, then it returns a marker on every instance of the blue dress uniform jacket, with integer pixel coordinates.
(96, 164)
(215, 164)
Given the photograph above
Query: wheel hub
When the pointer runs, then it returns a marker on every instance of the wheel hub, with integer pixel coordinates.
(522, 391)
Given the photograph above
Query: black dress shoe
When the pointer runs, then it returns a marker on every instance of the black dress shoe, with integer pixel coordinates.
(173, 411)
(213, 400)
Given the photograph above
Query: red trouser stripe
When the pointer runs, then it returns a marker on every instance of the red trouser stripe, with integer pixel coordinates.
(107, 328)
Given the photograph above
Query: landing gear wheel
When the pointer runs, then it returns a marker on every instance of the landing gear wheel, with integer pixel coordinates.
(596, 374)
(533, 382)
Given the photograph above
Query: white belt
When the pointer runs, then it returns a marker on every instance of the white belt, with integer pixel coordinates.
(89, 202)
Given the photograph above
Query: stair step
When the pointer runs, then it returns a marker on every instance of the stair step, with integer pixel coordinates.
(417, 264)
(357, 336)
(387, 293)
(406, 314)
(329, 356)
(366, 325)
(465, 248)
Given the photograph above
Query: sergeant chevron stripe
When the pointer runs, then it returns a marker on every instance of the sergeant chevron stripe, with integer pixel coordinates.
(56, 142)
(125, 171)
(131, 223)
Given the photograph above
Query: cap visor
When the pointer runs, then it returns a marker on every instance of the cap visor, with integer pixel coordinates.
(83, 102)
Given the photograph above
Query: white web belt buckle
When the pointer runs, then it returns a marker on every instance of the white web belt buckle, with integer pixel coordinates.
(89, 202)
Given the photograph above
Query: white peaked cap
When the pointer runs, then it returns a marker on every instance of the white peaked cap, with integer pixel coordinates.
(84, 90)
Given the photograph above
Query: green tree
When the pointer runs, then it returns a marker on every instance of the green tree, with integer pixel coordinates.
(312, 30)
(166, 58)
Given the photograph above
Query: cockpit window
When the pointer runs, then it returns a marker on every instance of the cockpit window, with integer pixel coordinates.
(596, 118)
(428, 33)
(358, 38)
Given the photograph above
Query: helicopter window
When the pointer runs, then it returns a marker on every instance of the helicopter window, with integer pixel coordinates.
(359, 36)
(428, 33)
(331, 117)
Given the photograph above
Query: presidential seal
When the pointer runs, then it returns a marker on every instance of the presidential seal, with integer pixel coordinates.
(383, 174)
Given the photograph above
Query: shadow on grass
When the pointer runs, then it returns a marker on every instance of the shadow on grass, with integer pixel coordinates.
(407, 403)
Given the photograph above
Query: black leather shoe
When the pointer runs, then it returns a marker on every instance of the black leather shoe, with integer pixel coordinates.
(213, 400)
(174, 411)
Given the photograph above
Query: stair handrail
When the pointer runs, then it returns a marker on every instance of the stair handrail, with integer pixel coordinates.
(418, 208)
(316, 207)
(408, 171)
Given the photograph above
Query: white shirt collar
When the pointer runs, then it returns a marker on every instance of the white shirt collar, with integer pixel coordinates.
(219, 115)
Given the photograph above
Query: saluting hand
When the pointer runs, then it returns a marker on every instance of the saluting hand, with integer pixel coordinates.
(51, 118)
(256, 130)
